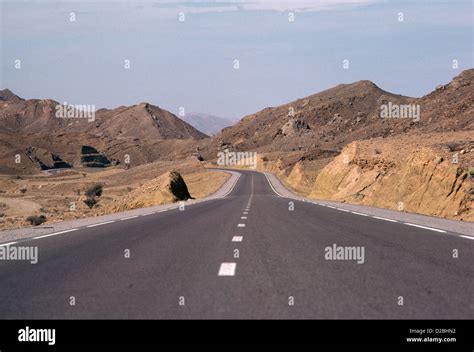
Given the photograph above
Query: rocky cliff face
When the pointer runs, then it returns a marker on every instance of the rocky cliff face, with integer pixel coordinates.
(423, 179)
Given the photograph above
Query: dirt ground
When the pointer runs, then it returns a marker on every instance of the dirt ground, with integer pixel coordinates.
(61, 196)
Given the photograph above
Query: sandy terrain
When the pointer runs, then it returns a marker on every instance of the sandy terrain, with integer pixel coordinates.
(61, 197)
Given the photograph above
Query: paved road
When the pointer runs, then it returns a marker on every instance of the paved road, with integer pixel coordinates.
(281, 270)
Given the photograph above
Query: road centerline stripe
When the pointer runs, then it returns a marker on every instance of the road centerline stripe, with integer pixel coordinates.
(227, 269)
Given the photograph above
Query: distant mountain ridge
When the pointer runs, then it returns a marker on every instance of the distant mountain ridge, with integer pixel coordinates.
(209, 124)
(331, 119)
(137, 121)
(316, 127)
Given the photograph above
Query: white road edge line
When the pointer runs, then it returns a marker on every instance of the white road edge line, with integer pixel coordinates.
(130, 217)
(237, 239)
(7, 244)
(468, 237)
(376, 217)
(357, 213)
(271, 186)
(102, 223)
(424, 227)
(233, 186)
(54, 234)
(380, 218)
(227, 269)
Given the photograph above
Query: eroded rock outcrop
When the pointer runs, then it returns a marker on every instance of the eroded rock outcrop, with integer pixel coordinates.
(422, 181)
(167, 188)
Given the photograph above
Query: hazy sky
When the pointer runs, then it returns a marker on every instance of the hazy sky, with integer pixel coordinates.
(190, 63)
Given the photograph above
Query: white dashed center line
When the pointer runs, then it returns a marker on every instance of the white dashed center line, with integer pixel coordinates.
(237, 238)
(243, 217)
(241, 225)
(227, 269)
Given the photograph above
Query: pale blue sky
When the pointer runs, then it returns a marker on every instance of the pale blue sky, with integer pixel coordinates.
(190, 63)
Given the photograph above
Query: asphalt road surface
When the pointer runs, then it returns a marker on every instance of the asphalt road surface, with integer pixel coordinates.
(252, 254)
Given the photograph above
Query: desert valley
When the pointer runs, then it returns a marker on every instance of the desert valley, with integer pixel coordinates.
(331, 145)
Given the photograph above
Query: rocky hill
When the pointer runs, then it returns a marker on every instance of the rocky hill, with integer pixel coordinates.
(33, 137)
(326, 122)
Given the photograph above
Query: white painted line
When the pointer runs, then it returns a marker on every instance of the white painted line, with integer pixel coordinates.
(241, 225)
(54, 234)
(468, 237)
(148, 214)
(161, 211)
(271, 186)
(233, 186)
(330, 206)
(227, 269)
(100, 224)
(424, 227)
(130, 217)
(245, 213)
(347, 211)
(237, 239)
(378, 217)
(243, 217)
(7, 244)
(354, 212)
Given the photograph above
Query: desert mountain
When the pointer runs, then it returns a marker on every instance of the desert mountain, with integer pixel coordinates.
(143, 121)
(209, 124)
(327, 121)
(138, 121)
(33, 138)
